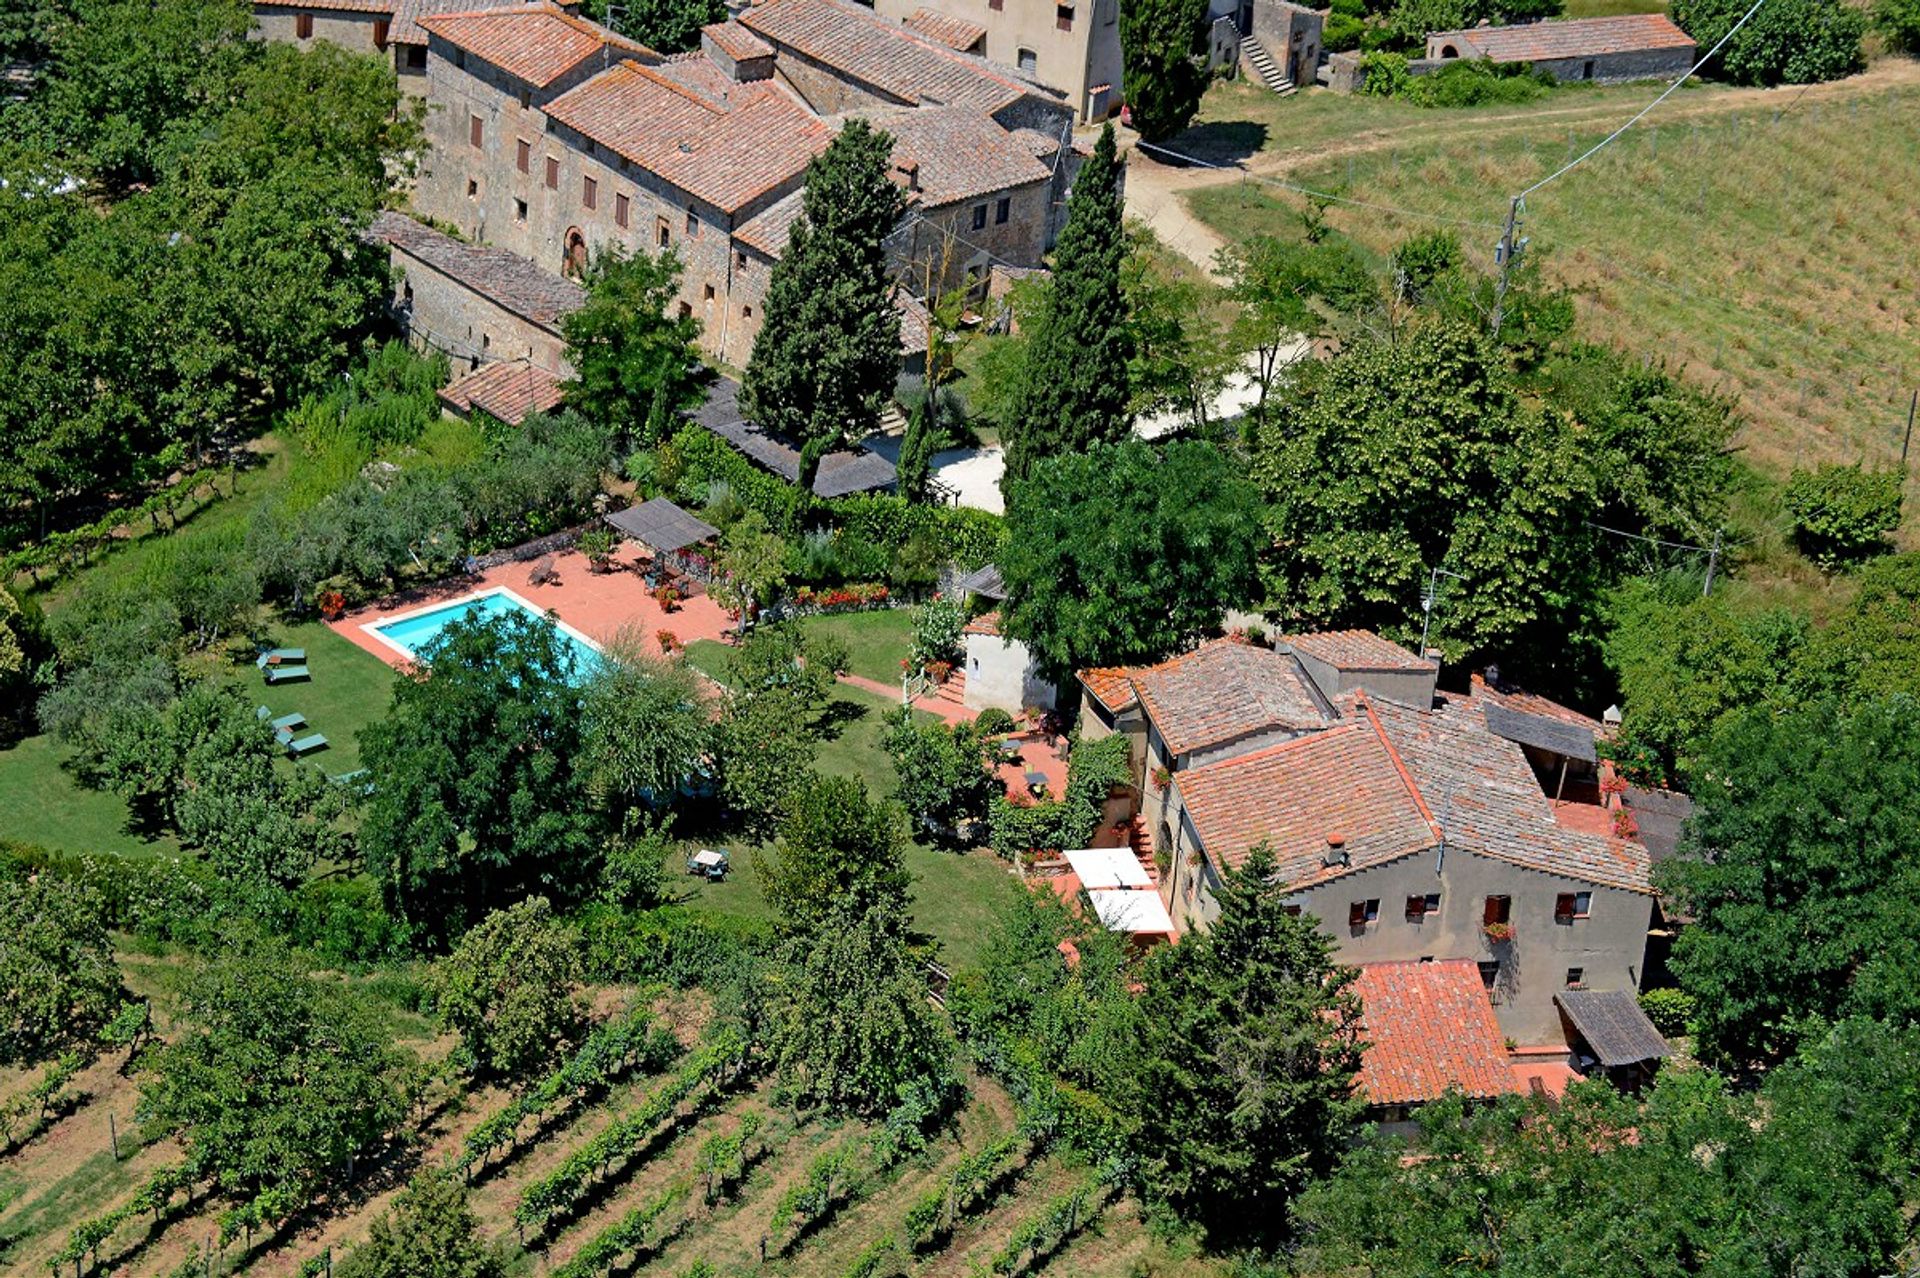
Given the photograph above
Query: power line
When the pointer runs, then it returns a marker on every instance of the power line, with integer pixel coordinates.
(1309, 191)
(1641, 114)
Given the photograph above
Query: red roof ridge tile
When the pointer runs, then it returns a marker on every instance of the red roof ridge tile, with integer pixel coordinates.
(667, 81)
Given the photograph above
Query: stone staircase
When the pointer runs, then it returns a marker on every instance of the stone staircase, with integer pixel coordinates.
(954, 690)
(1255, 55)
(892, 420)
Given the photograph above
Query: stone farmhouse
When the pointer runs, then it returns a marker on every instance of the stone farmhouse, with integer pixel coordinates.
(387, 27)
(1634, 46)
(1413, 825)
(1072, 46)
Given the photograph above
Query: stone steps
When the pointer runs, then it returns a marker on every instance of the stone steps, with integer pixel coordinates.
(1263, 66)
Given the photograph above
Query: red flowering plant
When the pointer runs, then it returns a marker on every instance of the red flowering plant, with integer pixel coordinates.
(1499, 933)
(333, 605)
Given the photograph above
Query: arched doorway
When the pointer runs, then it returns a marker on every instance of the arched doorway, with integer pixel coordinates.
(575, 264)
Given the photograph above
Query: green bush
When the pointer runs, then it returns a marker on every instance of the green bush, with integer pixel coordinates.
(1670, 1010)
(992, 721)
(1478, 83)
(1786, 42)
(1899, 21)
(1843, 514)
(1384, 74)
(1342, 31)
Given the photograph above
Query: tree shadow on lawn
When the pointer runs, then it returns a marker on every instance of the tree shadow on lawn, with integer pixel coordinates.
(837, 715)
(1216, 142)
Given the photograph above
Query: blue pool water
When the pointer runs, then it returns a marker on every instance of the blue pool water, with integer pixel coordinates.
(417, 632)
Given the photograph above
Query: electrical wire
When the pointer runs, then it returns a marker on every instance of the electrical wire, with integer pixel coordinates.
(1641, 114)
(1330, 196)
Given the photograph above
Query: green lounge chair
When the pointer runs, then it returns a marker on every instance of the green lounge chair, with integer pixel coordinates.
(306, 745)
(280, 657)
(288, 722)
(287, 674)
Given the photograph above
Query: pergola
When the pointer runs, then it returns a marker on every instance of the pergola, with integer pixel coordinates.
(669, 532)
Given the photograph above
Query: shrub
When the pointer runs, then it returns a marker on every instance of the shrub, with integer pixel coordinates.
(1477, 83)
(1842, 514)
(1342, 32)
(1670, 1010)
(1383, 74)
(1786, 42)
(1899, 21)
(992, 721)
(936, 631)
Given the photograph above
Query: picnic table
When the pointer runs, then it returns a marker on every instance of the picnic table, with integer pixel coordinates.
(708, 863)
(1036, 781)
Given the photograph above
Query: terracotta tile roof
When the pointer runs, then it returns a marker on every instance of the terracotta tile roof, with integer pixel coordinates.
(1573, 38)
(1224, 690)
(1111, 686)
(887, 57)
(335, 6)
(987, 623)
(1429, 1028)
(511, 390)
(506, 279)
(916, 323)
(766, 231)
(955, 33)
(1489, 802)
(1532, 703)
(536, 43)
(1344, 782)
(725, 145)
(960, 154)
(736, 41)
(1356, 650)
(1042, 146)
(407, 15)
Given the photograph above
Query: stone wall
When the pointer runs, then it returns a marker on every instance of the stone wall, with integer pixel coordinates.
(355, 31)
(470, 329)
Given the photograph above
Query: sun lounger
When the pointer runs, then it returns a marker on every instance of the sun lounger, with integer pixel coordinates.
(280, 657)
(288, 722)
(287, 674)
(306, 745)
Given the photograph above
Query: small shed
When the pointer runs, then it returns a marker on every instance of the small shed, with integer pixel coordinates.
(1608, 1028)
(1001, 670)
(669, 532)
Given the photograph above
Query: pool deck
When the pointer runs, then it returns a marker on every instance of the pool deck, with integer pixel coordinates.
(598, 605)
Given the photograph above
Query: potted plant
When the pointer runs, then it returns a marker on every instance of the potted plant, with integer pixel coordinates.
(939, 670)
(668, 597)
(1624, 826)
(669, 641)
(333, 605)
(1162, 778)
(1499, 933)
(598, 545)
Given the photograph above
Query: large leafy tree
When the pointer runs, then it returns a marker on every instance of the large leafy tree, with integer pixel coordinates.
(634, 360)
(1242, 1081)
(1288, 292)
(58, 981)
(829, 349)
(1800, 875)
(1073, 389)
(431, 1232)
(1162, 43)
(646, 725)
(782, 681)
(1127, 552)
(946, 771)
(839, 849)
(319, 1078)
(478, 796)
(1786, 42)
(1399, 457)
(856, 1034)
(508, 990)
(670, 26)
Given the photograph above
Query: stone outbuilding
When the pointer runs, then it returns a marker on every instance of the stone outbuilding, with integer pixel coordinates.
(1634, 46)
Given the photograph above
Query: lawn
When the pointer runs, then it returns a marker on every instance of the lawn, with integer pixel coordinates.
(876, 641)
(1760, 242)
(41, 803)
(350, 689)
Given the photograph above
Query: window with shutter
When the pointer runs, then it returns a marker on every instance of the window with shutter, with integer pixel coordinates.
(1416, 908)
(553, 173)
(1499, 909)
(523, 155)
(622, 209)
(476, 130)
(589, 192)
(303, 26)
(1563, 908)
(1357, 914)
(380, 28)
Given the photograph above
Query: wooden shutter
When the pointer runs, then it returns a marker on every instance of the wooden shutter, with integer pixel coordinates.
(1496, 911)
(476, 130)
(1357, 914)
(523, 155)
(1563, 908)
(1417, 907)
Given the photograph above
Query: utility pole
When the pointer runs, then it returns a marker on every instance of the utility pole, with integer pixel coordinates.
(1713, 561)
(1505, 254)
(1912, 404)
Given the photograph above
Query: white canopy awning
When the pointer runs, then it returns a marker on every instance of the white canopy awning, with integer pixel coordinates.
(1127, 910)
(1108, 868)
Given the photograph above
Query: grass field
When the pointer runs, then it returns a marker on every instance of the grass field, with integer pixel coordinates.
(876, 641)
(1762, 242)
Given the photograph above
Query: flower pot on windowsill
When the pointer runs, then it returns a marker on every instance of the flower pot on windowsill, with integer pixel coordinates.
(1499, 933)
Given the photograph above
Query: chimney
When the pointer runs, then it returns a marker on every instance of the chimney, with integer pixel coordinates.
(1336, 853)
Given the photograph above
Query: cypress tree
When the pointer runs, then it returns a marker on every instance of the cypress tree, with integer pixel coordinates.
(916, 449)
(1163, 47)
(1073, 389)
(828, 354)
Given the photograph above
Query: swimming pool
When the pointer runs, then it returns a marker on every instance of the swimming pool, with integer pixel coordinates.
(410, 633)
